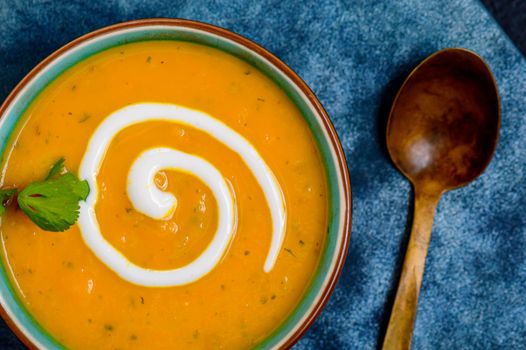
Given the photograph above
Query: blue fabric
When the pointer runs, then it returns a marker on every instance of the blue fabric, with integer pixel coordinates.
(354, 54)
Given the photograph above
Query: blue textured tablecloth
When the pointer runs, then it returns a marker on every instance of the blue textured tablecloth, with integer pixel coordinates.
(354, 54)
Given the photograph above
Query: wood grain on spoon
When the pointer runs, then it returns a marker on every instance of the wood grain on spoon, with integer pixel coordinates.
(441, 134)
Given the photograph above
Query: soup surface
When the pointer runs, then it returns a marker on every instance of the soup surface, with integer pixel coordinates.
(83, 303)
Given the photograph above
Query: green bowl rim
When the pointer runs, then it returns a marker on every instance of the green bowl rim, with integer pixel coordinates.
(292, 328)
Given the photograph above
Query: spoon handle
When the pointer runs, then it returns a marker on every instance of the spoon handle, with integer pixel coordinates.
(400, 329)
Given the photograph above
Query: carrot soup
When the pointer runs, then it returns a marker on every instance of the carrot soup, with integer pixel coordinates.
(207, 210)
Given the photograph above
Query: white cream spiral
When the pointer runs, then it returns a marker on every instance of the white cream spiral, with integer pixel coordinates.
(151, 201)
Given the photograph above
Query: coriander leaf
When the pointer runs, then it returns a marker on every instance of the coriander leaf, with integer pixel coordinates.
(5, 195)
(56, 169)
(77, 187)
(53, 204)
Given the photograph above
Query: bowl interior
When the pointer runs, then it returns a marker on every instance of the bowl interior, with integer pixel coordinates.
(339, 189)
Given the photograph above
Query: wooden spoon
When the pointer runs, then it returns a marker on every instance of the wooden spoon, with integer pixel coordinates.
(441, 134)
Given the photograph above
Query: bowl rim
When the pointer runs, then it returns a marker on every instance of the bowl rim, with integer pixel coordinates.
(320, 113)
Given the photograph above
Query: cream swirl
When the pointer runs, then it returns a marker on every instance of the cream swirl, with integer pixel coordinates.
(151, 201)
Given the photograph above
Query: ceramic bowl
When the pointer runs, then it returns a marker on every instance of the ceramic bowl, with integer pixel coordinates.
(338, 233)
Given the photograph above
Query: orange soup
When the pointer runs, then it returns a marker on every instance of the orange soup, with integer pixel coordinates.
(238, 300)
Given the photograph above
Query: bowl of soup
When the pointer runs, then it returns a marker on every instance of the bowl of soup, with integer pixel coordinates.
(219, 209)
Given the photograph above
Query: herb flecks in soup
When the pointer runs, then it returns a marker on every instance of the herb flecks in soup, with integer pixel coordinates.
(246, 293)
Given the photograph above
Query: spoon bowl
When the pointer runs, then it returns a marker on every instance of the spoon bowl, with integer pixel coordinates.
(441, 134)
(443, 126)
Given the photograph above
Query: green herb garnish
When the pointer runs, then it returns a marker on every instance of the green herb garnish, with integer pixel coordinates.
(52, 204)
(56, 169)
